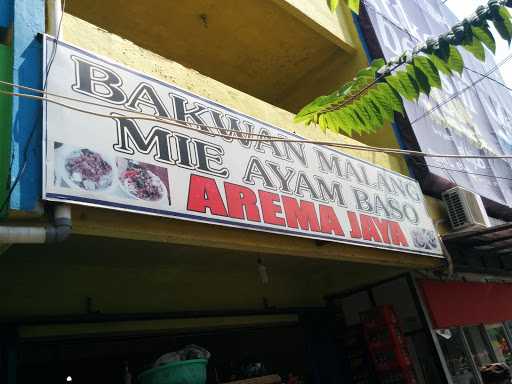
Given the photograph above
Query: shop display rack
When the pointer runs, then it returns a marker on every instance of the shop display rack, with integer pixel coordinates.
(386, 345)
(356, 352)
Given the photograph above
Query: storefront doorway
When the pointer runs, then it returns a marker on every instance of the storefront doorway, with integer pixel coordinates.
(236, 353)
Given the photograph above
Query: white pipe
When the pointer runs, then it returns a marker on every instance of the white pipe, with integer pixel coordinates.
(22, 235)
(55, 14)
(57, 232)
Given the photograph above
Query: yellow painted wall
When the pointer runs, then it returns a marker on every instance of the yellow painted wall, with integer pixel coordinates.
(317, 15)
(95, 39)
(285, 52)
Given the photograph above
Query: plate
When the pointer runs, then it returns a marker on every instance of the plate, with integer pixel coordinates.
(86, 170)
(139, 182)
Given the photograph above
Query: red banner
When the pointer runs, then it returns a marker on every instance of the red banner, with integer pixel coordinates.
(457, 303)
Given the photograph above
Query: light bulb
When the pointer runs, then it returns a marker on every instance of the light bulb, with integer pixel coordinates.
(262, 270)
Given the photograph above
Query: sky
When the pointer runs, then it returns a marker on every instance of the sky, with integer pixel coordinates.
(464, 8)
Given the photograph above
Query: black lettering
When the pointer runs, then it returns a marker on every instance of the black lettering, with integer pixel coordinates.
(297, 149)
(97, 81)
(303, 184)
(183, 113)
(130, 138)
(255, 169)
(362, 201)
(260, 145)
(333, 194)
(145, 96)
(208, 154)
(332, 166)
(183, 143)
(284, 180)
(410, 213)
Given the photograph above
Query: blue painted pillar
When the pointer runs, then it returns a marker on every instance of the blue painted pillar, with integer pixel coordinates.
(28, 19)
(5, 13)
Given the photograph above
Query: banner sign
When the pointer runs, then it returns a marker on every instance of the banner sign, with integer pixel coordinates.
(470, 116)
(101, 155)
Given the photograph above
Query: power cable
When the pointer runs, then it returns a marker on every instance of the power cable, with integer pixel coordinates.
(489, 78)
(460, 92)
(426, 166)
(416, 40)
(266, 138)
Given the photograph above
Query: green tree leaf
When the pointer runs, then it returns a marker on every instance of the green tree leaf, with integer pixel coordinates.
(441, 65)
(345, 124)
(473, 45)
(503, 24)
(420, 78)
(357, 122)
(483, 34)
(382, 103)
(373, 110)
(410, 89)
(333, 4)
(391, 96)
(455, 60)
(425, 65)
(377, 64)
(354, 5)
(322, 122)
(394, 82)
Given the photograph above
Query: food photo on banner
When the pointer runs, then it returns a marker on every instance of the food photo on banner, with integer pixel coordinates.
(131, 142)
(468, 116)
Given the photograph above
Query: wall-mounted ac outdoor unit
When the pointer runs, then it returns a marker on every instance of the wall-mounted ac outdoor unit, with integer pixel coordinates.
(465, 209)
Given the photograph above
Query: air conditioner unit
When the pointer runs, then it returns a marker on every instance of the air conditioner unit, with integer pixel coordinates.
(465, 209)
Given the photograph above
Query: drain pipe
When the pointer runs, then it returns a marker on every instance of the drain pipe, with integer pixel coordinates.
(58, 231)
(61, 227)
(54, 14)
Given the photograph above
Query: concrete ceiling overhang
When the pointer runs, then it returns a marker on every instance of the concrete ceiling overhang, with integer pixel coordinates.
(267, 48)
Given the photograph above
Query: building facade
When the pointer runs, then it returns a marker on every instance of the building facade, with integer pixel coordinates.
(230, 267)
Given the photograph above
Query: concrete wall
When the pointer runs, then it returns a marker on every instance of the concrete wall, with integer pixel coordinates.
(95, 39)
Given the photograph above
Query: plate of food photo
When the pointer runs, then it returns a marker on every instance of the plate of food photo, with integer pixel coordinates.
(87, 170)
(139, 180)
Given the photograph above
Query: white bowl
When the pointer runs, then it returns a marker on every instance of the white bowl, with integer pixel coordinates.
(66, 153)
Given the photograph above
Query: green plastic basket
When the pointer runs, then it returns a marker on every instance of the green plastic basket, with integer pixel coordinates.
(178, 372)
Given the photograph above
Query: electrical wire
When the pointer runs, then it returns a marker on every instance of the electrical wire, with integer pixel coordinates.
(426, 166)
(416, 40)
(460, 92)
(31, 135)
(262, 138)
(489, 78)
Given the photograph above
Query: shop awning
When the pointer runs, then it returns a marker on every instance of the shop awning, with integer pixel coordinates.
(488, 248)
(494, 239)
(458, 303)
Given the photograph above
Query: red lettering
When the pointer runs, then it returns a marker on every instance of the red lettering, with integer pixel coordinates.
(370, 231)
(269, 209)
(355, 230)
(329, 222)
(242, 202)
(383, 226)
(203, 194)
(301, 214)
(397, 235)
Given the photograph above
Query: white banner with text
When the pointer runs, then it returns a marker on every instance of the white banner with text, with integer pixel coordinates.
(191, 158)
